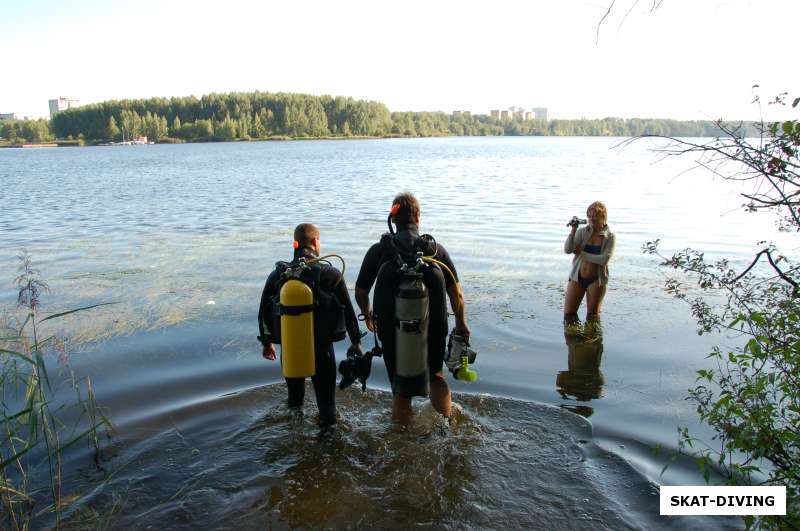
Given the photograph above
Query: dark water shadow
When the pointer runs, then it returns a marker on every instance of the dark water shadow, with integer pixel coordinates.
(245, 461)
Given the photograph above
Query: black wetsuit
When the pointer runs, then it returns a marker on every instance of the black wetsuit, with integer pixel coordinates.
(372, 272)
(324, 378)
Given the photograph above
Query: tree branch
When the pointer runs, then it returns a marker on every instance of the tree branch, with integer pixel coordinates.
(774, 266)
(608, 12)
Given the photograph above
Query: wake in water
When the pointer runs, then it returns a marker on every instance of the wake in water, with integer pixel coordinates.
(246, 461)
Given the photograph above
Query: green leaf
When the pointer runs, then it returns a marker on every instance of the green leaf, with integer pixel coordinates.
(656, 450)
(16, 456)
(75, 311)
(19, 414)
(705, 373)
(43, 369)
(753, 346)
(38, 346)
(757, 318)
(79, 437)
(788, 127)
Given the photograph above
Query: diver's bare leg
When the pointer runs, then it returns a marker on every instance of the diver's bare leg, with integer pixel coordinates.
(401, 410)
(440, 394)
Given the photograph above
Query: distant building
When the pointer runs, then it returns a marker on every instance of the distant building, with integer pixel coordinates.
(10, 116)
(61, 104)
(456, 113)
(518, 113)
(466, 113)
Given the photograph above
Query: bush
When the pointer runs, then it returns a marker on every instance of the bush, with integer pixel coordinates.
(169, 140)
(751, 396)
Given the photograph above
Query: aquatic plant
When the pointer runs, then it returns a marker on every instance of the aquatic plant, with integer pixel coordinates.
(33, 431)
(751, 396)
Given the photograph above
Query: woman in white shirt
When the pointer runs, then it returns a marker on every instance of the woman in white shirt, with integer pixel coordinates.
(593, 246)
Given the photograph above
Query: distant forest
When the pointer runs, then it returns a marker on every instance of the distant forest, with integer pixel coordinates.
(263, 115)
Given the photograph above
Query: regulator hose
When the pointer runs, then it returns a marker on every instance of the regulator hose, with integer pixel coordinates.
(322, 258)
(443, 265)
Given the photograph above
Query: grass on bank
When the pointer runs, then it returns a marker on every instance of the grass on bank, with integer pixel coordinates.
(34, 434)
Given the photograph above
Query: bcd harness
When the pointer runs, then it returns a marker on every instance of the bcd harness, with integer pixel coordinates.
(403, 308)
(414, 265)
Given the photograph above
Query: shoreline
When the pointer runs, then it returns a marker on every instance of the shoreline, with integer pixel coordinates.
(171, 141)
(277, 138)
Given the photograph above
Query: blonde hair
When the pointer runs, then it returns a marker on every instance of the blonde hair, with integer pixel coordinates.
(600, 210)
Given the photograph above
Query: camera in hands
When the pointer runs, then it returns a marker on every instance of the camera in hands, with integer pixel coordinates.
(459, 357)
(575, 221)
(357, 366)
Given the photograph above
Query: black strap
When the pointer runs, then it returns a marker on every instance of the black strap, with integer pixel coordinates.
(394, 247)
(295, 310)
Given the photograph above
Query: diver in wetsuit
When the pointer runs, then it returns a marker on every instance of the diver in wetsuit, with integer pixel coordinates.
(378, 268)
(330, 300)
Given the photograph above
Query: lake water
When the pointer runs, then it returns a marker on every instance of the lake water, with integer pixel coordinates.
(182, 237)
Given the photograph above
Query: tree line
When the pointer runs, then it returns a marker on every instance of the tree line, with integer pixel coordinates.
(262, 115)
(23, 131)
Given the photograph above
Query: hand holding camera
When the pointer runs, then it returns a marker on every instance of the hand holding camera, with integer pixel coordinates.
(357, 366)
(575, 221)
(459, 356)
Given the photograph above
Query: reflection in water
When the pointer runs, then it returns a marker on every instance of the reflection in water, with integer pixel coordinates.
(583, 380)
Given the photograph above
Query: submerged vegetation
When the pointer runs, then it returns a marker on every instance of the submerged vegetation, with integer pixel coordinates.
(264, 115)
(35, 427)
(750, 397)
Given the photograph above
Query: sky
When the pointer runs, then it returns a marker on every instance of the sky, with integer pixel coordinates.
(687, 59)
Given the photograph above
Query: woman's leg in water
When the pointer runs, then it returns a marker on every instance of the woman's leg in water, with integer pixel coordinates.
(594, 299)
(572, 299)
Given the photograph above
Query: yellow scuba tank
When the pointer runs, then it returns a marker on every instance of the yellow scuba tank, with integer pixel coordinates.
(297, 329)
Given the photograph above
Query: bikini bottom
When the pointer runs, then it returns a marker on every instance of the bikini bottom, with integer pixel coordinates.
(586, 282)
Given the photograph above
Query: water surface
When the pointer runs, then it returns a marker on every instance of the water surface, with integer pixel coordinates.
(182, 238)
